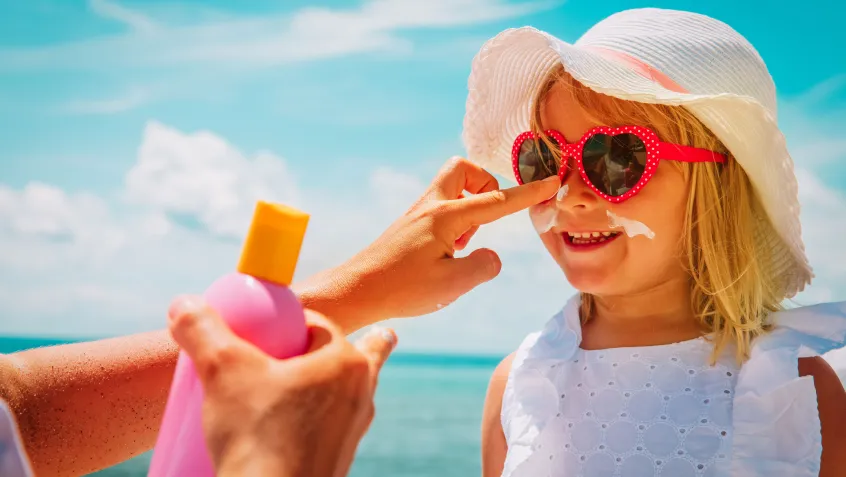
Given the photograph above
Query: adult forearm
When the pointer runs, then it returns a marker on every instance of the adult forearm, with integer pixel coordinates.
(86, 406)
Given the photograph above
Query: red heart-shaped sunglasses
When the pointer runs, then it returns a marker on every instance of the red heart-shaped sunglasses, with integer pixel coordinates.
(616, 163)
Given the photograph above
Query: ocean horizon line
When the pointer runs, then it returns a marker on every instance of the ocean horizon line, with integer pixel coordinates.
(15, 343)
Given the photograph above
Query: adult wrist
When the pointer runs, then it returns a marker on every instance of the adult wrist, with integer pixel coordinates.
(244, 456)
(250, 458)
(336, 294)
(259, 466)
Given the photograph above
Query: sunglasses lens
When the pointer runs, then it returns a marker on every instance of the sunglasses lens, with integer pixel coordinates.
(536, 160)
(614, 164)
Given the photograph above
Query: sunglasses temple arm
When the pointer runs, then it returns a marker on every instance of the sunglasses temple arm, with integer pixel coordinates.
(680, 153)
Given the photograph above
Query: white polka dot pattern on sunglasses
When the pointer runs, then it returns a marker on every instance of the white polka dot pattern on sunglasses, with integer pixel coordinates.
(656, 150)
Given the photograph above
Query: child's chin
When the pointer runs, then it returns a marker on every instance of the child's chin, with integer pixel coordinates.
(595, 282)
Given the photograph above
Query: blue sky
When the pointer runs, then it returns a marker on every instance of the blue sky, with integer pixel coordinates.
(135, 136)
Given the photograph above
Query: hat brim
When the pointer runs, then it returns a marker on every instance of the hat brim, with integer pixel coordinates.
(510, 68)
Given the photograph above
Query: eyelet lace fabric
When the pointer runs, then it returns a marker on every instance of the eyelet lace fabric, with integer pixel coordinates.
(664, 410)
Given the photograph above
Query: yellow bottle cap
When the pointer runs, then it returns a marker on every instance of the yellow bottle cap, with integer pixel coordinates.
(273, 243)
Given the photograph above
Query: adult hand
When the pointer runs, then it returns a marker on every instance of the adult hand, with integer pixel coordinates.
(303, 416)
(411, 269)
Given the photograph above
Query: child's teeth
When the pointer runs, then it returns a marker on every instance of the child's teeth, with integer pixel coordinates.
(582, 238)
(588, 234)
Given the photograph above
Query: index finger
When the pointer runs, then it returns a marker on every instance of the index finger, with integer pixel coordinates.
(459, 175)
(490, 206)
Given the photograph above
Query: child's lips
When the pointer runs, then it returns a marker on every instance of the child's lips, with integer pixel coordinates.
(584, 241)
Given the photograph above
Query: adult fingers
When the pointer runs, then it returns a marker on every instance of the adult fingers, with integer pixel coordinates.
(327, 353)
(466, 273)
(322, 331)
(462, 241)
(459, 175)
(376, 346)
(490, 206)
(207, 340)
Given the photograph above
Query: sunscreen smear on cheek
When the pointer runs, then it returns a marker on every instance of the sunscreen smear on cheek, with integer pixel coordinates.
(631, 227)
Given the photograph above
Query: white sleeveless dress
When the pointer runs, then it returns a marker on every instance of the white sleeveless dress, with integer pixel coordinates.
(663, 410)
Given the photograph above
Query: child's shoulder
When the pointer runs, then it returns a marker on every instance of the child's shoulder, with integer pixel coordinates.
(498, 382)
(500, 374)
(491, 419)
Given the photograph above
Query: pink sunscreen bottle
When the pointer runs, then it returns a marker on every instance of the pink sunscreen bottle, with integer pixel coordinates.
(259, 307)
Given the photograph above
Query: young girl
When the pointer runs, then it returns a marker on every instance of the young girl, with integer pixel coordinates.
(675, 358)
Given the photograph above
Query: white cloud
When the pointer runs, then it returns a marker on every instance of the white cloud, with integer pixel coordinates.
(201, 175)
(813, 124)
(823, 217)
(80, 264)
(396, 190)
(131, 99)
(43, 214)
(390, 15)
(821, 93)
(41, 209)
(260, 41)
(810, 122)
(135, 20)
(201, 50)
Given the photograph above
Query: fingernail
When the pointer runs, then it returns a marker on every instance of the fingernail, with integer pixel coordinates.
(551, 180)
(386, 335)
(183, 305)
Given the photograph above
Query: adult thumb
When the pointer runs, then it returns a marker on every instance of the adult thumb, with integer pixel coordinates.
(376, 346)
(206, 339)
(468, 272)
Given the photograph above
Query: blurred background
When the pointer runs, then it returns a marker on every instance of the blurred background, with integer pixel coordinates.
(135, 137)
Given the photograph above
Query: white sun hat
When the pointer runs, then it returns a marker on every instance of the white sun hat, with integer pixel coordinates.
(658, 56)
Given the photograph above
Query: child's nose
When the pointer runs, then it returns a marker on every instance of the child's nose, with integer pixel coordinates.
(574, 193)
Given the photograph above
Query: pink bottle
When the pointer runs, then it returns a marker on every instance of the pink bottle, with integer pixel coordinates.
(259, 307)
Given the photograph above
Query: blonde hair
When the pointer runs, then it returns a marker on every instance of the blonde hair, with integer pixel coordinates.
(732, 291)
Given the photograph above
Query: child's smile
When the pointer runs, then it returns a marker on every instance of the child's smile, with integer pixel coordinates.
(584, 241)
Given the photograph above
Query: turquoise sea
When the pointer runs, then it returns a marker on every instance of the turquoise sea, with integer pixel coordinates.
(428, 413)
